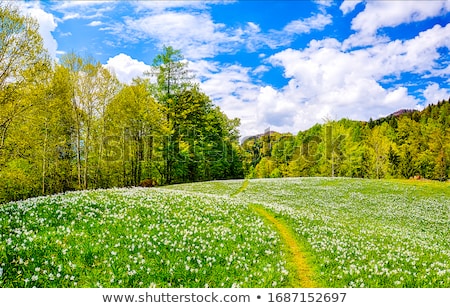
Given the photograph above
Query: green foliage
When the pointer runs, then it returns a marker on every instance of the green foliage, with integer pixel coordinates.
(23, 63)
(412, 144)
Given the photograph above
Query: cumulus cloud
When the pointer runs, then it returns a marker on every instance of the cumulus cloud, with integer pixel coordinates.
(69, 16)
(328, 81)
(434, 93)
(232, 88)
(275, 109)
(348, 6)
(381, 14)
(258, 106)
(418, 55)
(126, 68)
(47, 24)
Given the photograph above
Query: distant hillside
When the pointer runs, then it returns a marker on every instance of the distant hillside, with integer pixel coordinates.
(405, 144)
(432, 111)
(401, 112)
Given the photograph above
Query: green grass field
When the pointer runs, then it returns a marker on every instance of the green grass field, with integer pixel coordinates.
(351, 233)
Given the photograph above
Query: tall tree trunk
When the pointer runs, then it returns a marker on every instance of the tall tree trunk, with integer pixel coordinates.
(86, 157)
(44, 159)
(78, 154)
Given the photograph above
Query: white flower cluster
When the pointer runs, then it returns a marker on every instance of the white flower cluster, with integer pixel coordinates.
(139, 237)
(365, 233)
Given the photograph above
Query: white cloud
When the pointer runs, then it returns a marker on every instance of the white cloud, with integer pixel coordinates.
(348, 6)
(65, 34)
(47, 24)
(434, 93)
(161, 6)
(194, 33)
(126, 68)
(261, 69)
(324, 3)
(255, 39)
(87, 9)
(328, 81)
(70, 16)
(221, 81)
(317, 22)
(95, 23)
(275, 109)
(381, 14)
(64, 5)
(233, 90)
(361, 39)
(418, 55)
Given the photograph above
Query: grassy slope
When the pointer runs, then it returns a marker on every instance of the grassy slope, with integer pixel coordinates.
(137, 238)
(356, 233)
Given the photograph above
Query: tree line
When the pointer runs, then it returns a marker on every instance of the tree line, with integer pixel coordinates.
(72, 125)
(410, 144)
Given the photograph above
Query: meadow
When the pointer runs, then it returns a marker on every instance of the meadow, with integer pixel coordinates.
(361, 233)
(136, 238)
(352, 232)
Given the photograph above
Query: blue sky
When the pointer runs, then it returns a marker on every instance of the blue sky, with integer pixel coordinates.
(280, 64)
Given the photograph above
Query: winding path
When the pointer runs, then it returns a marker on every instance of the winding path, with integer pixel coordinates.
(303, 277)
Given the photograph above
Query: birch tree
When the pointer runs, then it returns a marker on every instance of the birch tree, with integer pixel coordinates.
(23, 60)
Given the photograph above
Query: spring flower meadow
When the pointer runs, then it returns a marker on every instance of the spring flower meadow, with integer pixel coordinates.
(137, 238)
(360, 233)
(356, 233)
